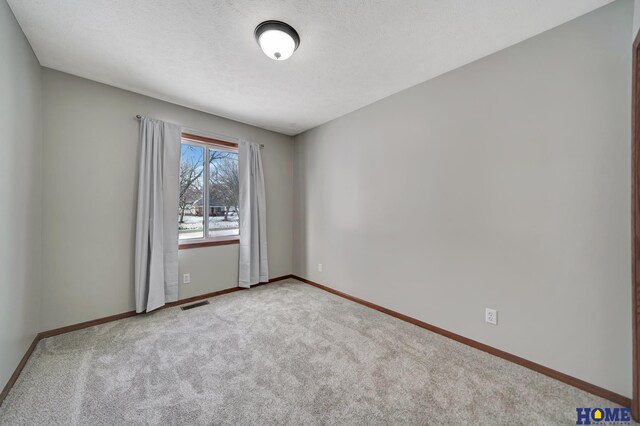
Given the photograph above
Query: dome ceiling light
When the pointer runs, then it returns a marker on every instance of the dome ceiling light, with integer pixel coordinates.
(277, 39)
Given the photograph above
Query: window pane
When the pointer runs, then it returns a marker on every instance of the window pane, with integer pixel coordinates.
(223, 193)
(191, 205)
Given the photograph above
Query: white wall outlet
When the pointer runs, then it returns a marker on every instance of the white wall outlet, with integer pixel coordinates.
(491, 316)
(319, 267)
(186, 279)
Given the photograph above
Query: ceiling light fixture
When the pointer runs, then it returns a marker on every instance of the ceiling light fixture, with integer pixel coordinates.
(277, 39)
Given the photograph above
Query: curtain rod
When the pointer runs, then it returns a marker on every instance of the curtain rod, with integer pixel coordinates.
(139, 117)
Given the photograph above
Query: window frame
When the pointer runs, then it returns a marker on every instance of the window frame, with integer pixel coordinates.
(206, 241)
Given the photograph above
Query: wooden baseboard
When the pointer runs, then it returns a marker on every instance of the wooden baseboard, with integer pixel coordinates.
(18, 370)
(116, 317)
(273, 280)
(86, 324)
(565, 378)
(92, 323)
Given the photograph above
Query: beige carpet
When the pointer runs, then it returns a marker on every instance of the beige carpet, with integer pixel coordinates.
(284, 353)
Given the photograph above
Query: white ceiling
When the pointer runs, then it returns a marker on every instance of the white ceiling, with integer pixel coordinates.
(202, 54)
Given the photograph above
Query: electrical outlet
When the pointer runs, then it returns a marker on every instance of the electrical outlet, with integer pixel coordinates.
(319, 267)
(491, 316)
(186, 279)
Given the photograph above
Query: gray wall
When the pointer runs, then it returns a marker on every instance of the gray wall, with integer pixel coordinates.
(20, 192)
(90, 175)
(502, 184)
(636, 18)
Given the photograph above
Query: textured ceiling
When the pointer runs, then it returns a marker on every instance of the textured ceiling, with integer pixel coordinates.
(202, 54)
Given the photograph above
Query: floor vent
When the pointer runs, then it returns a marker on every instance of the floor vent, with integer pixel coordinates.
(195, 305)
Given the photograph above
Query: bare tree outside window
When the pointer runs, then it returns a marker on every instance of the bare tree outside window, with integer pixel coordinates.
(223, 183)
(208, 190)
(223, 192)
(190, 223)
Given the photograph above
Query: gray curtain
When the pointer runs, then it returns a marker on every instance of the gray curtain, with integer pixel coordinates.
(254, 266)
(156, 269)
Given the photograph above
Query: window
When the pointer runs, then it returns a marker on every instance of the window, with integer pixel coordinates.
(208, 177)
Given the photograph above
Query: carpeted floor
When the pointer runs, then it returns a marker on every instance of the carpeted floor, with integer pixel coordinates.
(284, 353)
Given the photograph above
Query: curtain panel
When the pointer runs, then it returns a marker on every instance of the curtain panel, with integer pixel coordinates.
(253, 267)
(156, 255)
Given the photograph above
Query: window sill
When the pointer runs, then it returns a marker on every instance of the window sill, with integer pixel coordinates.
(209, 243)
